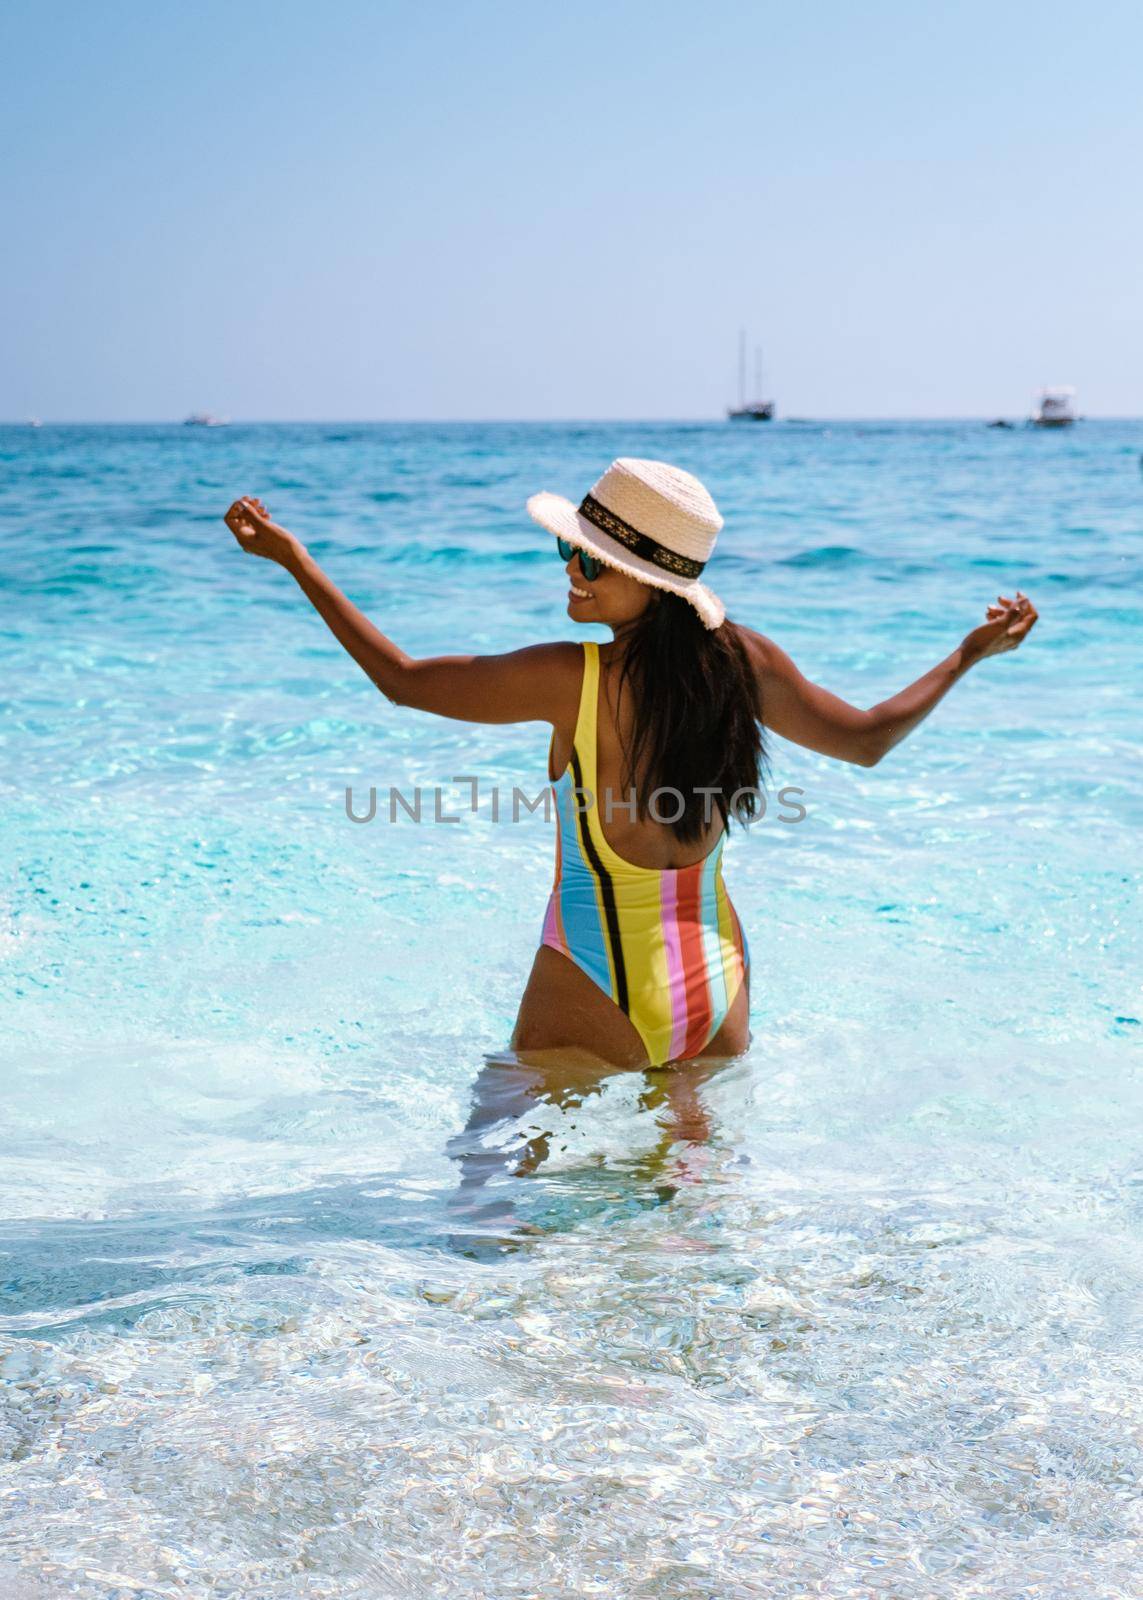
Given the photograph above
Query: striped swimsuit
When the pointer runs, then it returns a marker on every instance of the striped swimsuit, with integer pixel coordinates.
(666, 945)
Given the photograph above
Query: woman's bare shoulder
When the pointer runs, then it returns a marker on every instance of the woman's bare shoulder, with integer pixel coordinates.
(764, 655)
(534, 683)
(559, 662)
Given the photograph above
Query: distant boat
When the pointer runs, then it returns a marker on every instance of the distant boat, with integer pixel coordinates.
(758, 410)
(203, 419)
(1055, 408)
(1001, 422)
(34, 422)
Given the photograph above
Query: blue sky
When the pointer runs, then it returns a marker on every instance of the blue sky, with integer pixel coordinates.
(349, 210)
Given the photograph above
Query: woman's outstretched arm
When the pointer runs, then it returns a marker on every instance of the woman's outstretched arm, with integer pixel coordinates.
(539, 683)
(809, 715)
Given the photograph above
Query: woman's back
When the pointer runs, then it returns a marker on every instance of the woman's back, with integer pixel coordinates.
(639, 840)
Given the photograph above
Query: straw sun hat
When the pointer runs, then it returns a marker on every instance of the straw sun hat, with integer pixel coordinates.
(655, 522)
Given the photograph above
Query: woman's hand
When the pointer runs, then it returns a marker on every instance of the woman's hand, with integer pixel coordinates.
(1009, 623)
(249, 522)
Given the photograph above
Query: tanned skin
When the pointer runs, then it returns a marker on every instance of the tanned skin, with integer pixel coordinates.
(562, 1010)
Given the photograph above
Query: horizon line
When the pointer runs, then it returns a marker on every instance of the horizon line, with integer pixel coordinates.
(376, 422)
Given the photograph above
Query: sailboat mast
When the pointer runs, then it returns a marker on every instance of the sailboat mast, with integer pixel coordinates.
(757, 372)
(741, 368)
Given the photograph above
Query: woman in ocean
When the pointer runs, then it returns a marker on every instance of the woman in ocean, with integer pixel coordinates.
(657, 741)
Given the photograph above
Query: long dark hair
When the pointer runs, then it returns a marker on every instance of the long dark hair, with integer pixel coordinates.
(696, 717)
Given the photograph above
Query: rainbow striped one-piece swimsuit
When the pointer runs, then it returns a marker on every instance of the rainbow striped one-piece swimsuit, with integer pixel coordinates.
(666, 945)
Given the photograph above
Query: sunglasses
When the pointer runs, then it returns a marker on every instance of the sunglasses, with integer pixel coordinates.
(590, 566)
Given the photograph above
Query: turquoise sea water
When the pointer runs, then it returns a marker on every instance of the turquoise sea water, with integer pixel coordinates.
(286, 1312)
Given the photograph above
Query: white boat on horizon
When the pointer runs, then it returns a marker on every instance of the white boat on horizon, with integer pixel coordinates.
(1055, 407)
(203, 419)
(758, 410)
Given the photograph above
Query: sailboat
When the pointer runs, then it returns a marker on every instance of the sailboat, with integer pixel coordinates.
(757, 410)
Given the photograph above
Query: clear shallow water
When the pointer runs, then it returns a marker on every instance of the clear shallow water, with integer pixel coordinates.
(309, 1292)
